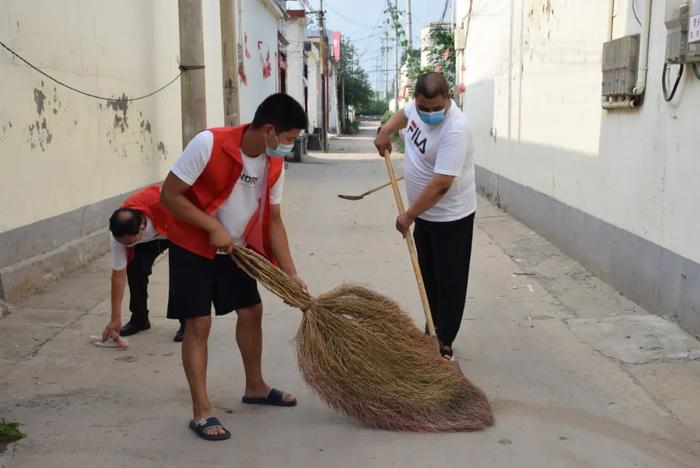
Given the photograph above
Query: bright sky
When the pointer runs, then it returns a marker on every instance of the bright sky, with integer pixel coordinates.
(363, 22)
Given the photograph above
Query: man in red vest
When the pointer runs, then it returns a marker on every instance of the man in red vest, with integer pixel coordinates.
(226, 189)
(137, 238)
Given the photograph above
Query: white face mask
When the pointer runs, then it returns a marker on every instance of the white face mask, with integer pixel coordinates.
(281, 150)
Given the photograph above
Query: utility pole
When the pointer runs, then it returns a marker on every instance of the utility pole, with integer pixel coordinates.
(409, 25)
(324, 78)
(380, 71)
(398, 70)
(344, 71)
(229, 61)
(343, 121)
(352, 59)
(385, 65)
(192, 90)
(377, 76)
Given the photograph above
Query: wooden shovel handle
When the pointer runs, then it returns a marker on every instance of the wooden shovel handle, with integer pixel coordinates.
(380, 187)
(411, 245)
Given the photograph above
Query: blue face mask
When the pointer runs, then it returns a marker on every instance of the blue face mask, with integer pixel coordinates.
(432, 118)
(280, 151)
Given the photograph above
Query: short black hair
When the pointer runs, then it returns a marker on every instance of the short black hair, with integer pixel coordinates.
(430, 85)
(125, 222)
(283, 112)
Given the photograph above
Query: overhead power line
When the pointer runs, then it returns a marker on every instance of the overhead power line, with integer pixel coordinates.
(183, 68)
(348, 19)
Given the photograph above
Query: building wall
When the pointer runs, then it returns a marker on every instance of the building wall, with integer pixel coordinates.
(68, 160)
(333, 104)
(72, 150)
(61, 150)
(211, 22)
(314, 108)
(295, 58)
(532, 73)
(258, 30)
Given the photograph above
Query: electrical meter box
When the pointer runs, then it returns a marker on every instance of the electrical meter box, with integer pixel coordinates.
(460, 38)
(682, 31)
(620, 61)
(694, 32)
(676, 30)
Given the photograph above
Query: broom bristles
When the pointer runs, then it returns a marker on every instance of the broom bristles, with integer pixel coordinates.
(364, 357)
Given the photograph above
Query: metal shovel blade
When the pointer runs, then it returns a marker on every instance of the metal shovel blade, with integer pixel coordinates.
(351, 197)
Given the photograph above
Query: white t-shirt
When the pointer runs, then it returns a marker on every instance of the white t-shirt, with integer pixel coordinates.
(119, 257)
(235, 213)
(446, 148)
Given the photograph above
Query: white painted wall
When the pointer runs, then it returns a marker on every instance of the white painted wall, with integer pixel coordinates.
(258, 21)
(258, 30)
(211, 28)
(314, 112)
(333, 104)
(295, 58)
(533, 80)
(63, 151)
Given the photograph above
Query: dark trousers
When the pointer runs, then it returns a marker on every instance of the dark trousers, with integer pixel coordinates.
(137, 272)
(444, 253)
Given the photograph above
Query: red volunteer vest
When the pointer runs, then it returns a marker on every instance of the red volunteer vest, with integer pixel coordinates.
(147, 201)
(214, 186)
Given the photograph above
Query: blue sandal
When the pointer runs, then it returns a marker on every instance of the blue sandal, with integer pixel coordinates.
(274, 398)
(201, 427)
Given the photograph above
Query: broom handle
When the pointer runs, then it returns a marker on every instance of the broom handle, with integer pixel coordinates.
(411, 245)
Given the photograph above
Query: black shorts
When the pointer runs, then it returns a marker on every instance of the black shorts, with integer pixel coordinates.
(197, 282)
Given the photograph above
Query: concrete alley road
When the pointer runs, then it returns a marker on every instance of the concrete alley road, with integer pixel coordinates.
(578, 376)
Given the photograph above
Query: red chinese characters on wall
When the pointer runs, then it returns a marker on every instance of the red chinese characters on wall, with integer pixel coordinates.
(265, 62)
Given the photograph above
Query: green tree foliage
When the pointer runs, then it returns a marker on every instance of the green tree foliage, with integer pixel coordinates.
(375, 107)
(410, 57)
(441, 52)
(358, 91)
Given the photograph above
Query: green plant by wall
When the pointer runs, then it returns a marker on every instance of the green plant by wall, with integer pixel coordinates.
(9, 431)
(441, 53)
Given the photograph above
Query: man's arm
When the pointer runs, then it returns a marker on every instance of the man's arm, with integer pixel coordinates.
(394, 124)
(117, 295)
(449, 161)
(280, 245)
(172, 196)
(432, 193)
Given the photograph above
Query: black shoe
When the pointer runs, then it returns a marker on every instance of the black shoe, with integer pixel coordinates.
(446, 352)
(179, 335)
(132, 328)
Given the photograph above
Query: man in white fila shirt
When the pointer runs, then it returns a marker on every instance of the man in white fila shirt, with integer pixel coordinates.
(226, 189)
(439, 173)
